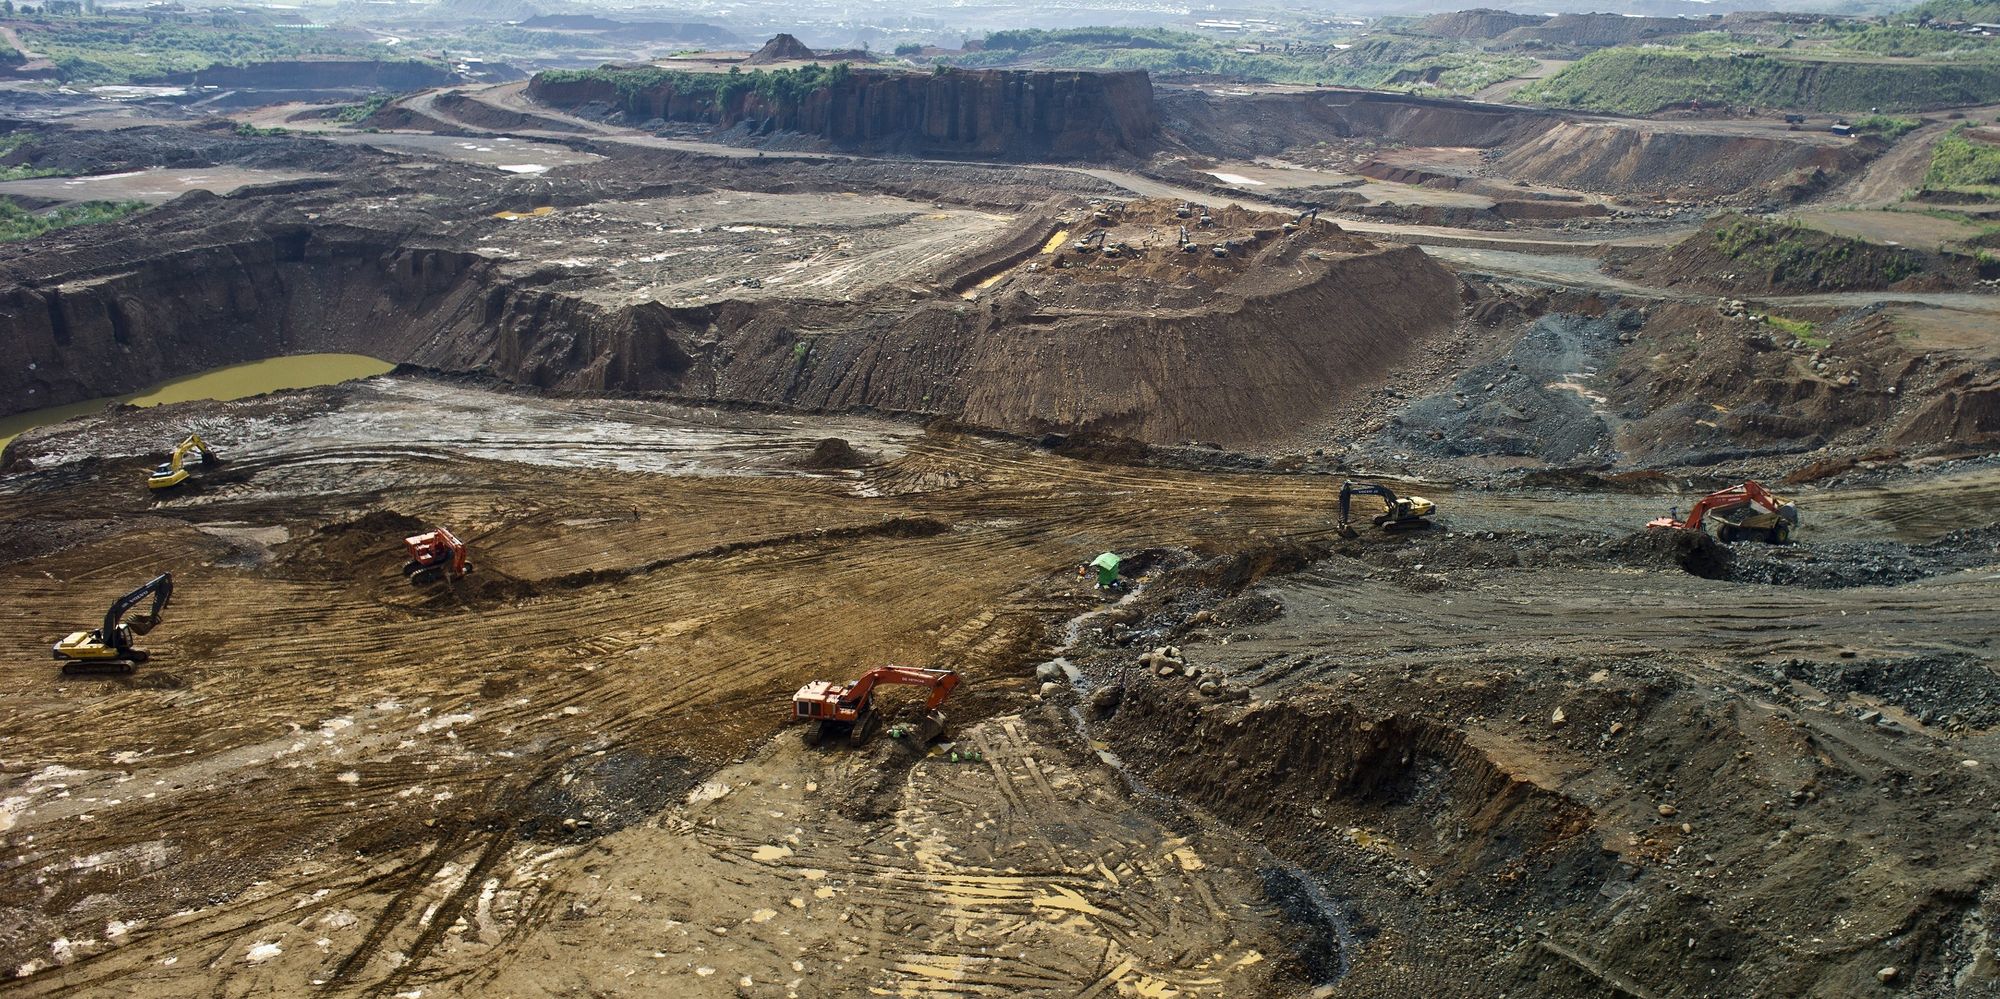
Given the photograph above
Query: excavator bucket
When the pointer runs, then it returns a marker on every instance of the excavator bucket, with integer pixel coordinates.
(1346, 530)
(928, 730)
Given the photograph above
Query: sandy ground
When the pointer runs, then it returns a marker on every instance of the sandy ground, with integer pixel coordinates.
(1896, 228)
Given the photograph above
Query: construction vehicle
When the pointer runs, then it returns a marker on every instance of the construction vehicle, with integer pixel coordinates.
(1746, 512)
(1105, 567)
(1085, 245)
(1186, 209)
(173, 471)
(434, 556)
(1188, 245)
(848, 709)
(109, 648)
(1205, 219)
(1400, 513)
(1306, 217)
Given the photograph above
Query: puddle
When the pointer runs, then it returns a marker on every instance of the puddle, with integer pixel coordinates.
(236, 381)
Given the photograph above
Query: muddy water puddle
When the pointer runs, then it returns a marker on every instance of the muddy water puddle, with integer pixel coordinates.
(236, 381)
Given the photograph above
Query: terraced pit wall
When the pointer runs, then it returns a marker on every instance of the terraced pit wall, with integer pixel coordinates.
(1272, 353)
(991, 114)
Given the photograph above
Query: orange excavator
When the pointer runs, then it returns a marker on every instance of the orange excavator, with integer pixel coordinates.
(848, 709)
(434, 556)
(1746, 512)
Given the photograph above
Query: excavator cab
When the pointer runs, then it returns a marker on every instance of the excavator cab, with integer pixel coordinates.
(109, 648)
(173, 471)
(848, 709)
(1400, 513)
(434, 556)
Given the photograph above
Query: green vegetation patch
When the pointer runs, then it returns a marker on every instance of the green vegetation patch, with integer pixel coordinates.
(638, 85)
(352, 113)
(1886, 126)
(21, 171)
(1384, 60)
(101, 50)
(1958, 163)
(1798, 255)
(1799, 329)
(17, 224)
(1640, 81)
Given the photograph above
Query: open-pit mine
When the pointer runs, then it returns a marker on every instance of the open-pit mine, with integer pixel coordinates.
(1551, 554)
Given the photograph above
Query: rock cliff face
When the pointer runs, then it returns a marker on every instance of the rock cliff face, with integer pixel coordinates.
(989, 114)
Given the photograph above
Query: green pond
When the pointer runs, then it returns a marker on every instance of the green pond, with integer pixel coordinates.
(236, 381)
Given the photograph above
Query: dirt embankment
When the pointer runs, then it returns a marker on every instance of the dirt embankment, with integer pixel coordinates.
(999, 114)
(1525, 145)
(1232, 127)
(1635, 158)
(1584, 385)
(1475, 24)
(1732, 254)
(1154, 343)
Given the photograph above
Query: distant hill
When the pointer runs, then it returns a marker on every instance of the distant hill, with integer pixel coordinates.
(1956, 10)
(689, 32)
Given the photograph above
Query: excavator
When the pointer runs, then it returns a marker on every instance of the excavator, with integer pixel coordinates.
(849, 708)
(110, 648)
(172, 472)
(1306, 217)
(1745, 512)
(434, 556)
(1400, 513)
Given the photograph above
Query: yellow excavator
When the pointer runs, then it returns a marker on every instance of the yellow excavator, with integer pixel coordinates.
(173, 471)
(110, 647)
(1400, 513)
